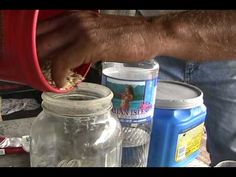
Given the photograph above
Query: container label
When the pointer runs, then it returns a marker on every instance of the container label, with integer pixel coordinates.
(189, 142)
(133, 101)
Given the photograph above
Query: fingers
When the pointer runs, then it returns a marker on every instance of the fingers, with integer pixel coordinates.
(57, 32)
(70, 58)
(50, 42)
(59, 72)
(51, 24)
(58, 39)
(84, 13)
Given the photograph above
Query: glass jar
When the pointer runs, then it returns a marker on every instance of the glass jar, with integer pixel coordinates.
(76, 129)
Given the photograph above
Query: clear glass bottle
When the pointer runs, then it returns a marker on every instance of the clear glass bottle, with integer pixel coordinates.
(134, 89)
(76, 129)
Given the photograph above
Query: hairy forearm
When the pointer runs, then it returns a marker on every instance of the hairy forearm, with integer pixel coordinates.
(194, 35)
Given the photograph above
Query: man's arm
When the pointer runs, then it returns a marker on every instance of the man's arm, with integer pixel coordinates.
(197, 35)
(83, 37)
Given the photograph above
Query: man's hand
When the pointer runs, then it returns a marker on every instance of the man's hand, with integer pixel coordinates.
(80, 37)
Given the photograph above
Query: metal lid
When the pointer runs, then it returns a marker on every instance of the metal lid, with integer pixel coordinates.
(177, 95)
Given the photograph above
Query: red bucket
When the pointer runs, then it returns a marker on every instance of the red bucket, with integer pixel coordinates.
(19, 61)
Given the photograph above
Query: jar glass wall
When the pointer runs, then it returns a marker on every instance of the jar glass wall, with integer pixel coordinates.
(76, 129)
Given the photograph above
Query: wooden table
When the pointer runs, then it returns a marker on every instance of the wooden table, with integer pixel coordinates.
(15, 128)
(21, 127)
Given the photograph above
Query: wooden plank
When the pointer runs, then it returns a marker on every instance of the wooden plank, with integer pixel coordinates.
(21, 127)
(15, 128)
(15, 160)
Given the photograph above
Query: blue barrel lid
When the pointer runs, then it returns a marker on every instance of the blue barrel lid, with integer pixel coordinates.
(177, 95)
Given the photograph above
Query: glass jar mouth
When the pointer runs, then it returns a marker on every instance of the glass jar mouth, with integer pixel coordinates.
(85, 99)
